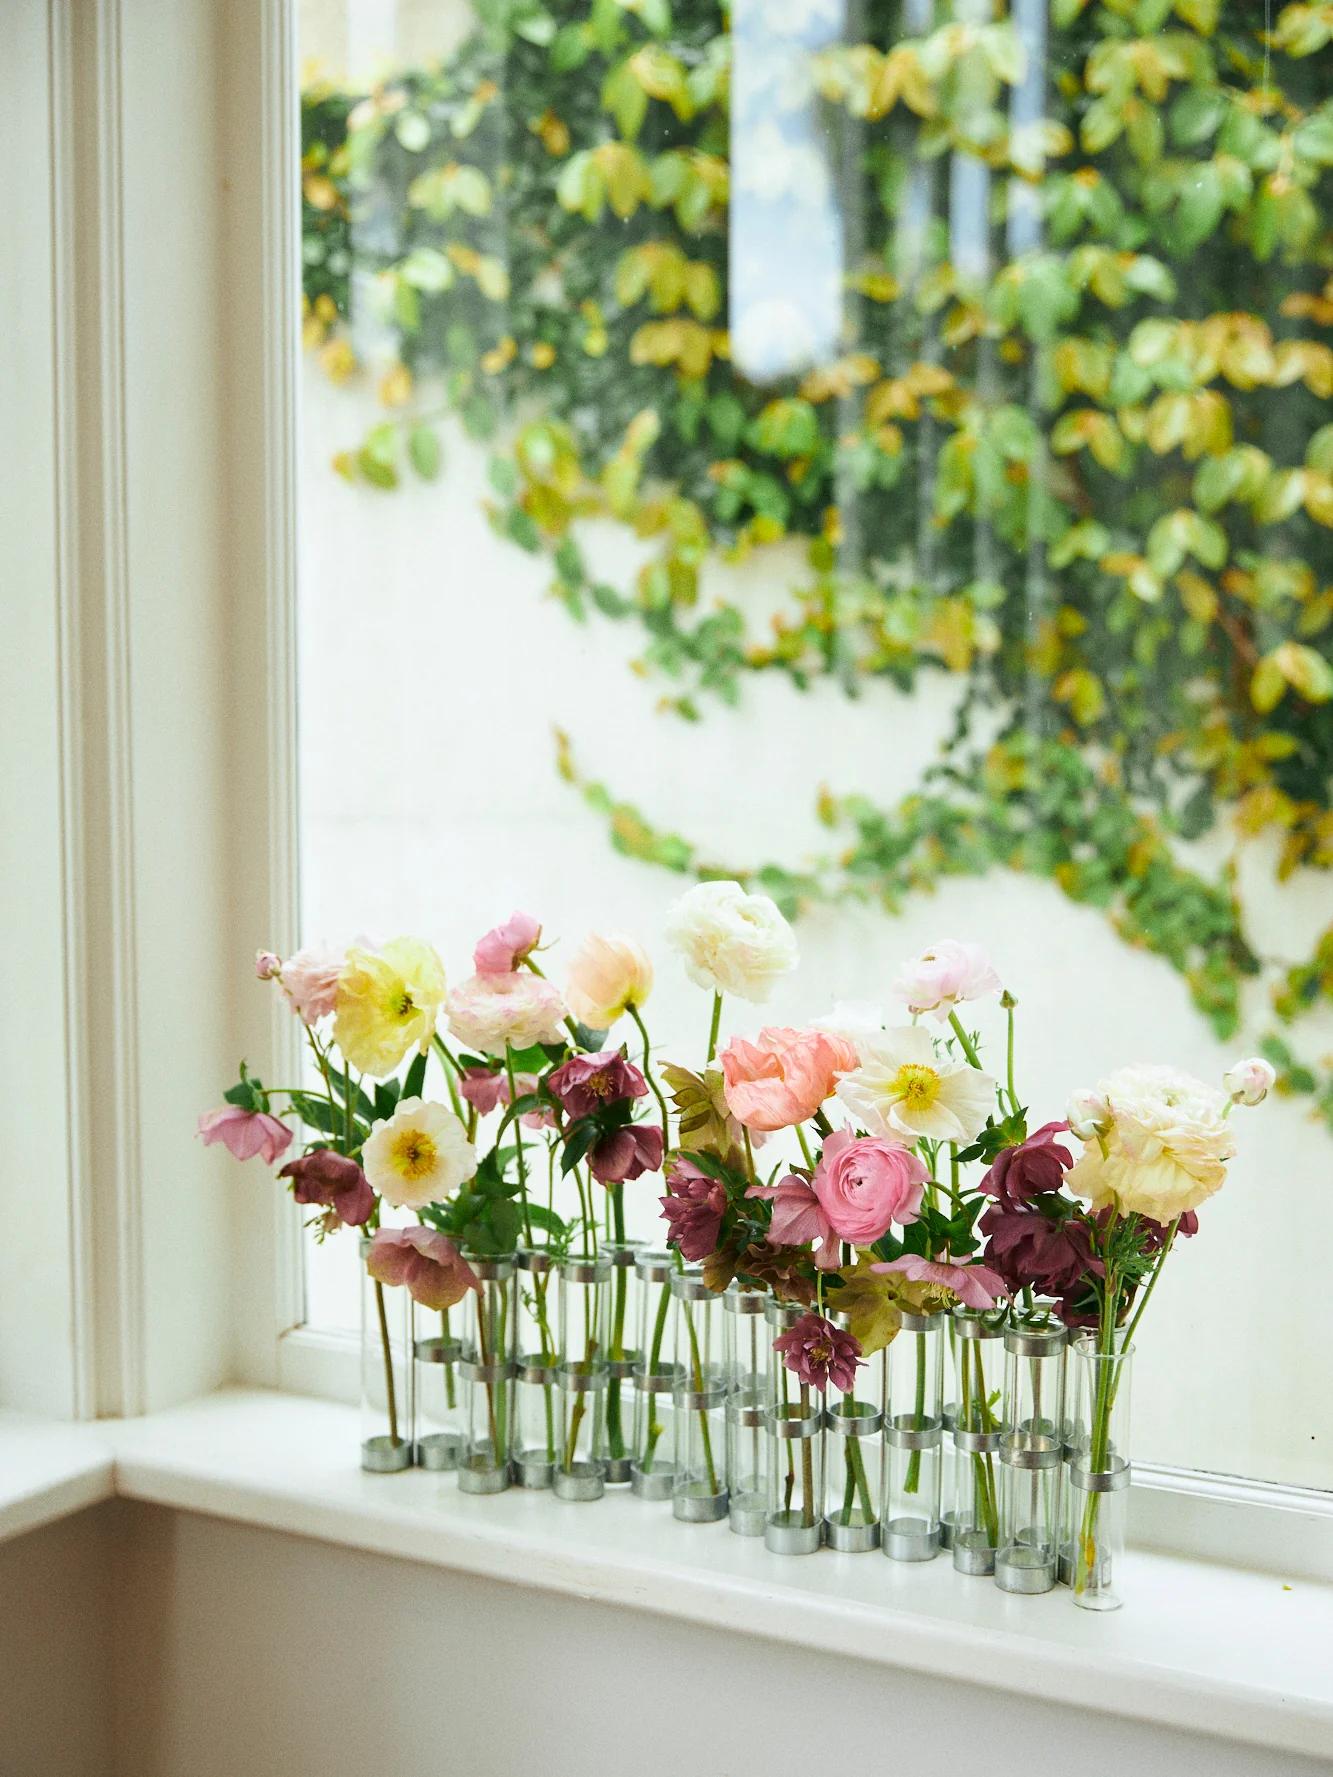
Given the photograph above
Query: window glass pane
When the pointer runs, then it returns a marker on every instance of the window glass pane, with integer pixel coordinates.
(882, 450)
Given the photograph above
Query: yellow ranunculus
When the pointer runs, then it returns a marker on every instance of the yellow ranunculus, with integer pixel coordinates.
(386, 1001)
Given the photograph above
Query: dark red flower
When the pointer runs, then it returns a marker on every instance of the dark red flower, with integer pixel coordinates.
(335, 1181)
(1034, 1251)
(693, 1208)
(626, 1152)
(587, 1083)
(1031, 1169)
(819, 1353)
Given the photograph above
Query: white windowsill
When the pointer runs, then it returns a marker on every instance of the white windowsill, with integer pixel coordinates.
(1199, 1646)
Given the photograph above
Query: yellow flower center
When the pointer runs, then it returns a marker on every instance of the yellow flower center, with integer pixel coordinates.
(916, 1086)
(821, 1353)
(600, 1084)
(414, 1154)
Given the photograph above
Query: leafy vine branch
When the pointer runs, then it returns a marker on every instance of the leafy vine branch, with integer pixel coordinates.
(1064, 466)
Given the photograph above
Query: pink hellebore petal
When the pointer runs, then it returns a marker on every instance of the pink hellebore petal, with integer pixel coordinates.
(246, 1133)
(483, 1089)
(977, 1286)
(431, 1267)
(504, 947)
(799, 1218)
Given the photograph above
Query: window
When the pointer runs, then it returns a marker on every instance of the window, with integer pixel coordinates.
(991, 600)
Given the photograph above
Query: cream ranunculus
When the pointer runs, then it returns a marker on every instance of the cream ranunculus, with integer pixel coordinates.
(903, 1088)
(731, 942)
(607, 976)
(1166, 1148)
(421, 1155)
(385, 1001)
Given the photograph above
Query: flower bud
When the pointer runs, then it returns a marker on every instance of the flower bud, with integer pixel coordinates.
(1089, 1115)
(1249, 1081)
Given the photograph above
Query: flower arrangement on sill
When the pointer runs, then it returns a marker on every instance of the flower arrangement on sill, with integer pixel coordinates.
(865, 1171)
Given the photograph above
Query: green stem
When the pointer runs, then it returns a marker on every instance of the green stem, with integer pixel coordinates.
(969, 1048)
(649, 1075)
(912, 1481)
(1009, 1073)
(655, 1357)
(715, 1026)
(518, 1138)
(614, 1426)
(805, 1146)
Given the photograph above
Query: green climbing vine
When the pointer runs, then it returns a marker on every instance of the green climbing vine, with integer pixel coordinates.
(1071, 471)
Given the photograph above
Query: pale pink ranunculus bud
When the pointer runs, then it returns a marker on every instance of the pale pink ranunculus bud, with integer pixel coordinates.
(1250, 1081)
(310, 980)
(504, 947)
(1089, 1115)
(267, 964)
(945, 975)
(607, 976)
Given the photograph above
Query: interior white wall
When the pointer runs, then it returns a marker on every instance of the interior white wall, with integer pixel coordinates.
(240, 1650)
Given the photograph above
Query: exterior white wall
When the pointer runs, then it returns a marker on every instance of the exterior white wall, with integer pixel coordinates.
(433, 667)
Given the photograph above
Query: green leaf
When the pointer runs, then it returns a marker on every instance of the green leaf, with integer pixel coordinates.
(423, 449)
(415, 1079)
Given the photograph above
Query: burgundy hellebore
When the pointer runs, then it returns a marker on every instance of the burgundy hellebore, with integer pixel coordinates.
(626, 1152)
(1033, 1168)
(693, 1209)
(819, 1352)
(586, 1083)
(335, 1181)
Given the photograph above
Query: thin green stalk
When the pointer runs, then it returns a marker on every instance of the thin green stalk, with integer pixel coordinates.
(715, 1026)
(614, 1427)
(1008, 1003)
(969, 1048)
(518, 1139)
(800, 1136)
(912, 1481)
(649, 1075)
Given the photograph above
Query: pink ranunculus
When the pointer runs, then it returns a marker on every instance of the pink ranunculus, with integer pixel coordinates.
(505, 946)
(799, 1218)
(784, 1076)
(587, 1083)
(518, 1009)
(863, 1184)
(246, 1133)
(310, 980)
(693, 1209)
(335, 1181)
(819, 1353)
(431, 1267)
(945, 975)
(977, 1286)
(267, 964)
(626, 1152)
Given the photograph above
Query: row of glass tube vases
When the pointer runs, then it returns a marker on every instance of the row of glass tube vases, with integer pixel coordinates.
(622, 1366)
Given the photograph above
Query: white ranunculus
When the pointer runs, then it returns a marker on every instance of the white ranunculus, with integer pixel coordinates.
(904, 1089)
(1166, 1147)
(945, 975)
(731, 942)
(1249, 1082)
(420, 1155)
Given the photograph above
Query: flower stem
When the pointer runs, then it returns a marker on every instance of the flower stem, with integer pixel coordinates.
(518, 1139)
(648, 1075)
(390, 1392)
(969, 1048)
(715, 1027)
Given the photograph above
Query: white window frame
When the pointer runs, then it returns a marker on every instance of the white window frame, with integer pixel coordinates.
(153, 927)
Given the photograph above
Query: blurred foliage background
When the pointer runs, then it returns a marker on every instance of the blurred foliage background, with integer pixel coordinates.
(1084, 467)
